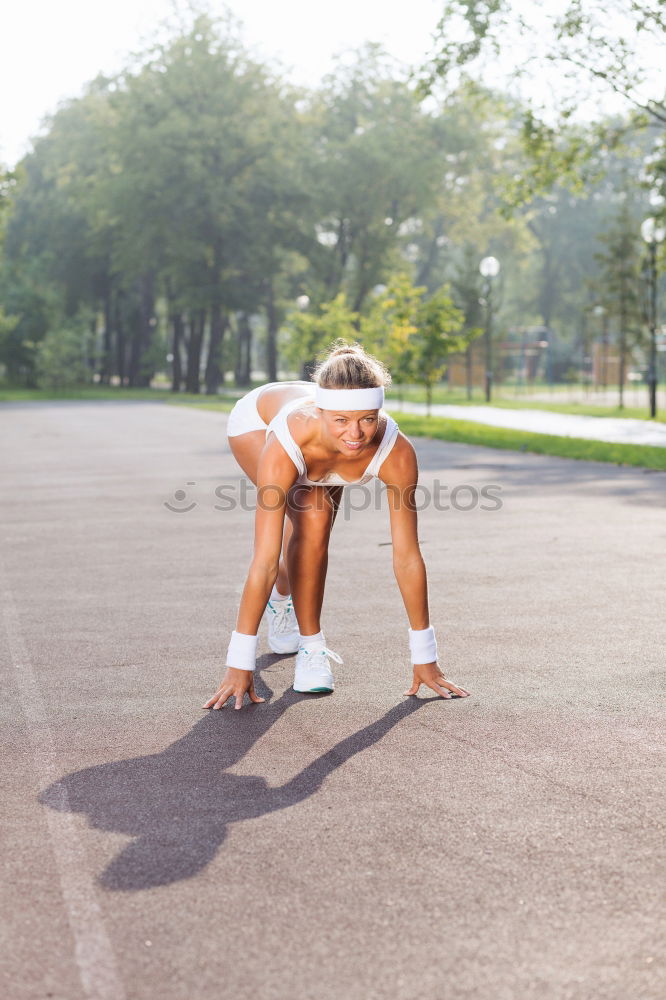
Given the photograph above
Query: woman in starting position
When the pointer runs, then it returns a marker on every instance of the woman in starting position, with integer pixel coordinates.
(300, 443)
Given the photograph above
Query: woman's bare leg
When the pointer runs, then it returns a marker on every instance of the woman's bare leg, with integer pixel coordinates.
(282, 582)
(246, 449)
(307, 554)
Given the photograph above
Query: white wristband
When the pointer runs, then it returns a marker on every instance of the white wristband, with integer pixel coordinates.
(242, 652)
(423, 645)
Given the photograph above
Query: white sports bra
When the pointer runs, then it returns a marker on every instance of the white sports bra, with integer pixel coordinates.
(280, 428)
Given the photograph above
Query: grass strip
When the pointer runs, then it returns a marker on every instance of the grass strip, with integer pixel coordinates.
(222, 402)
(467, 432)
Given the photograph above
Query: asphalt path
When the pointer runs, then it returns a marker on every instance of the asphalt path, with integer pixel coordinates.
(360, 845)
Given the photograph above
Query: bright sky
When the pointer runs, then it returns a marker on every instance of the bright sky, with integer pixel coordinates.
(50, 48)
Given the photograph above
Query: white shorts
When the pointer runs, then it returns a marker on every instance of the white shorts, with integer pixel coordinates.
(245, 417)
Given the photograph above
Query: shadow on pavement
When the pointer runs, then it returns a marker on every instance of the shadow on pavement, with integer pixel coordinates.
(530, 473)
(177, 804)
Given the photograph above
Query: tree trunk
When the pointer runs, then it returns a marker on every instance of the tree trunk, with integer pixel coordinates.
(177, 363)
(271, 335)
(134, 349)
(107, 342)
(89, 359)
(141, 371)
(218, 325)
(121, 339)
(358, 303)
(604, 351)
(146, 367)
(468, 370)
(214, 369)
(197, 325)
(622, 346)
(176, 324)
(244, 352)
(425, 271)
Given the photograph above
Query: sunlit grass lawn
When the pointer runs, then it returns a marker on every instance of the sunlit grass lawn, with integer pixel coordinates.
(463, 431)
(467, 432)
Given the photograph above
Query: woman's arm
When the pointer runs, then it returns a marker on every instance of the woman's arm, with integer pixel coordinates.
(408, 565)
(276, 475)
(400, 473)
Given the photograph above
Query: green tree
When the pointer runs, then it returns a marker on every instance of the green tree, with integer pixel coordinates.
(312, 331)
(55, 261)
(621, 281)
(467, 294)
(63, 357)
(372, 166)
(175, 181)
(595, 49)
(388, 329)
(206, 140)
(441, 331)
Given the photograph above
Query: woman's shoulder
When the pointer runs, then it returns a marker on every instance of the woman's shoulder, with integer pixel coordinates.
(401, 462)
(276, 395)
(303, 421)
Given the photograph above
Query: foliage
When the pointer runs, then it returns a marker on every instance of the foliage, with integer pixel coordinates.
(440, 331)
(622, 283)
(586, 40)
(63, 357)
(593, 49)
(373, 165)
(312, 331)
(388, 330)
(188, 201)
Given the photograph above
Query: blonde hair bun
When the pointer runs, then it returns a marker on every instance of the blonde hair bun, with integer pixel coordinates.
(345, 349)
(349, 366)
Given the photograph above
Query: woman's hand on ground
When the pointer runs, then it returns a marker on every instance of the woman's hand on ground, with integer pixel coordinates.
(234, 685)
(432, 676)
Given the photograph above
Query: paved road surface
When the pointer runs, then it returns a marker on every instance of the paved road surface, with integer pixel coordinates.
(358, 846)
(621, 430)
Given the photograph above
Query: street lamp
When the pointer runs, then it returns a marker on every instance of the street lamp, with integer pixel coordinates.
(653, 233)
(489, 268)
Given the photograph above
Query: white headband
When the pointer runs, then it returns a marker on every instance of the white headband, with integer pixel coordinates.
(350, 399)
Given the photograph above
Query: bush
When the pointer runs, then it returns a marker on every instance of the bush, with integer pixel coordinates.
(62, 359)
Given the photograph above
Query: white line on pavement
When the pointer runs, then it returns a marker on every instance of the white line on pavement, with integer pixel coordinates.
(94, 955)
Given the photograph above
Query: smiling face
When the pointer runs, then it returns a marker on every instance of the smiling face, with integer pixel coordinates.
(349, 431)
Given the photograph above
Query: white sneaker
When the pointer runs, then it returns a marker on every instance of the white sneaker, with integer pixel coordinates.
(313, 672)
(283, 634)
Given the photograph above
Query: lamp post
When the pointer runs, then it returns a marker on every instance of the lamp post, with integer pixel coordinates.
(653, 234)
(583, 349)
(602, 313)
(489, 268)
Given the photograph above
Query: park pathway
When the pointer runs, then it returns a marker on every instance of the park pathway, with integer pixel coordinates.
(359, 846)
(620, 430)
